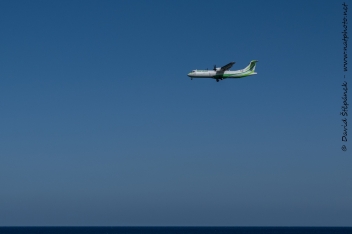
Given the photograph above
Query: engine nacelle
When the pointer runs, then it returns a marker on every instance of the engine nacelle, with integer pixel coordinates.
(216, 68)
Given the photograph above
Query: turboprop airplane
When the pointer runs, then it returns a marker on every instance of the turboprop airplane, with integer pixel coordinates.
(220, 73)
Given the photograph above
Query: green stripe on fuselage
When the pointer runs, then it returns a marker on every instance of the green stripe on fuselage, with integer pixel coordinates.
(239, 75)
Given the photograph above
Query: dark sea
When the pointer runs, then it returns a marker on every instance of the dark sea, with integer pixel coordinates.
(175, 230)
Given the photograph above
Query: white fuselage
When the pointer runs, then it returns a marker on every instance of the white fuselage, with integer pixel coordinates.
(219, 74)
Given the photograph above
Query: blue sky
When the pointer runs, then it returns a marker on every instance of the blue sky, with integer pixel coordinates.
(100, 124)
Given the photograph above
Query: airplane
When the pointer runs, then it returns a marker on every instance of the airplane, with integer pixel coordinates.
(220, 73)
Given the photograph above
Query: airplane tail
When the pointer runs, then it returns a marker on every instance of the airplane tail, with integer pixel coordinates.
(251, 66)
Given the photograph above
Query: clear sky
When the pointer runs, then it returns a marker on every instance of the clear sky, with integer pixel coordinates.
(100, 124)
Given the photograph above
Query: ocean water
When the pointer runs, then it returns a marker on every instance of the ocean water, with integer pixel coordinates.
(175, 230)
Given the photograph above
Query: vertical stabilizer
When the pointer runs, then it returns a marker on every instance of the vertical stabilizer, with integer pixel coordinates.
(251, 66)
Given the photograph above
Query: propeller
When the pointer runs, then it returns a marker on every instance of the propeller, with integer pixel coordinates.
(214, 68)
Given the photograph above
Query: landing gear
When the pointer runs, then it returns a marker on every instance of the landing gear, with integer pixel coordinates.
(219, 78)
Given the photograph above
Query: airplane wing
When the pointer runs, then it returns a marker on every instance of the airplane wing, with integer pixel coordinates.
(227, 66)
